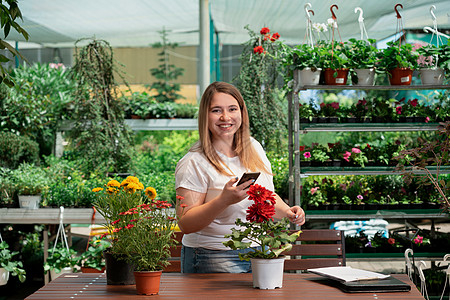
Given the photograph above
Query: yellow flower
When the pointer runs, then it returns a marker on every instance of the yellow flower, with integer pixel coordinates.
(111, 190)
(129, 179)
(113, 183)
(97, 189)
(132, 187)
(150, 192)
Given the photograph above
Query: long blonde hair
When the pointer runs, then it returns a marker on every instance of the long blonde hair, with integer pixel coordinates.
(241, 144)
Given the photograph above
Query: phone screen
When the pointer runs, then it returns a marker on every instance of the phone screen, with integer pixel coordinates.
(247, 176)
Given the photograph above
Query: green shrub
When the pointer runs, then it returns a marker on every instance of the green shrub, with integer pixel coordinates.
(30, 179)
(15, 149)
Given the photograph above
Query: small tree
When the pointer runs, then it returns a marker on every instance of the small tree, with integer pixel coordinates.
(99, 135)
(257, 81)
(165, 73)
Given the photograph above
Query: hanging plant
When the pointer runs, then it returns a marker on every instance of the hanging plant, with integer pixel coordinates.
(99, 136)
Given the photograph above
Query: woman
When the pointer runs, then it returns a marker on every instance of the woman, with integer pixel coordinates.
(209, 200)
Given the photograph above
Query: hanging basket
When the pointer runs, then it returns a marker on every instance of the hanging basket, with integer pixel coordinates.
(432, 76)
(4, 276)
(331, 78)
(365, 77)
(309, 77)
(400, 76)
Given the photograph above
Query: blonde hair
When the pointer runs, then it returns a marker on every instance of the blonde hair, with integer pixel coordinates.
(241, 144)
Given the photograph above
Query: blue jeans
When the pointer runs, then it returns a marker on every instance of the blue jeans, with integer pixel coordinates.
(201, 260)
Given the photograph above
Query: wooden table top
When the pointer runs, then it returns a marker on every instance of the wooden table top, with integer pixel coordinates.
(209, 286)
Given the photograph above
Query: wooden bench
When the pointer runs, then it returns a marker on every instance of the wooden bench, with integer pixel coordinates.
(175, 255)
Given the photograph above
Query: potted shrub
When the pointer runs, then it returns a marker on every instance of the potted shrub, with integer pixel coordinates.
(92, 260)
(8, 265)
(335, 62)
(362, 57)
(30, 182)
(305, 60)
(60, 260)
(398, 61)
(433, 62)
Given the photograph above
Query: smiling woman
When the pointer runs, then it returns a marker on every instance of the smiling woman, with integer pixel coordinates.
(206, 177)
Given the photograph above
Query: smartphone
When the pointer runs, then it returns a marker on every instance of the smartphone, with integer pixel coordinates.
(247, 176)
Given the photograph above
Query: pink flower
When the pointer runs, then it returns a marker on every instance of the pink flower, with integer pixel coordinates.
(335, 105)
(418, 240)
(313, 190)
(356, 150)
(347, 155)
(427, 119)
(307, 154)
(414, 102)
(360, 197)
(398, 109)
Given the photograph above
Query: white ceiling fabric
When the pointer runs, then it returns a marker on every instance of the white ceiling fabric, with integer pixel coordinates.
(135, 23)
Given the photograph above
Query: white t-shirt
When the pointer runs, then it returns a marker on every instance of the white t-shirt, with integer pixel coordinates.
(194, 172)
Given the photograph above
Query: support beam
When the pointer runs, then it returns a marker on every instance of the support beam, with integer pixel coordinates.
(204, 54)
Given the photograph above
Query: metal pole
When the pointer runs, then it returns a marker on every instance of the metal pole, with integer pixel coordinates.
(204, 65)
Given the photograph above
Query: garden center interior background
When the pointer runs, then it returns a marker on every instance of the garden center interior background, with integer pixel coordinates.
(132, 26)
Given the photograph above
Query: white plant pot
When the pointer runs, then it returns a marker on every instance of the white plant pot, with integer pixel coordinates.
(4, 276)
(432, 76)
(267, 273)
(29, 201)
(308, 77)
(54, 275)
(365, 76)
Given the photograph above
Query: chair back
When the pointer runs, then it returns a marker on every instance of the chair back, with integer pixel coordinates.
(175, 255)
(328, 250)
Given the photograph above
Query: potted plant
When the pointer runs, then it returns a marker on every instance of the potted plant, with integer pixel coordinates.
(266, 238)
(115, 198)
(8, 265)
(398, 61)
(30, 181)
(335, 62)
(92, 260)
(60, 260)
(362, 57)
(433, 61)
(148, 236)
(305, 60)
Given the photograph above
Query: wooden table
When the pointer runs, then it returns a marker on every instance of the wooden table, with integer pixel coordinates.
(209, 286)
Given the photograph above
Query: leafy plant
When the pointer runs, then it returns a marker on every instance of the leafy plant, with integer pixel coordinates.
(138, 104)
(60, 258)
(30, 179)
(99, 135)
(11, 265)
(303, 56)
(432, 56)
(334, 55)
(16, 149)
(93, 256)
(362, 54)
(397, 56)
(166, 73)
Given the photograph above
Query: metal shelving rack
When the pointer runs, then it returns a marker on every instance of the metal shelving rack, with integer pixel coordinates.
(295, 129)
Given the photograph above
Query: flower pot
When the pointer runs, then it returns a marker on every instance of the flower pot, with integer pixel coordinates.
(4, 276)
(147, 282)
(29, 201)
(118, 271)
(91, 270)
(400, 76)
(267, 273)
(365, 76)
(54, 275)
(432, 76)
(308, 76)
(340, 79)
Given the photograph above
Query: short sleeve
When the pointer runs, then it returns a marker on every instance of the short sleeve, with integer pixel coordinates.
(191, 174)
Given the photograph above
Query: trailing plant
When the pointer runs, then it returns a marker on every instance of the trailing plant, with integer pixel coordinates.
(11, 265)
(166, 73)
(60, 258)
(397, 56)
(99, 135)
(362, 54)
(93, 256)
(257, 81)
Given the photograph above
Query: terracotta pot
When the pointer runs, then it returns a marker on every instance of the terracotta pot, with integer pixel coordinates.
(147, 282)
(91, 270)
(400, 76)
(340, 79)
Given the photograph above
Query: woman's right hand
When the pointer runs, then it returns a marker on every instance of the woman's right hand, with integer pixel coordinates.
(234, 194)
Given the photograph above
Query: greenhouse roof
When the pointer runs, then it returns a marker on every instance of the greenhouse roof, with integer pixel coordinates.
(135, 23)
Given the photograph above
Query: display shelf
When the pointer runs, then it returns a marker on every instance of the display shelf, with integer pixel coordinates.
(374, 87)
(370, 170)
(390, 215)
(366, 127)
(149, 124)
(48, 216)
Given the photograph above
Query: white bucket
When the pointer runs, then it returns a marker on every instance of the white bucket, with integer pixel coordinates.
(4, 276)
(29, 201)
(267, 273)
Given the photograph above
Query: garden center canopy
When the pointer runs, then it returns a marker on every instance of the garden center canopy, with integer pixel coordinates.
(135, 23)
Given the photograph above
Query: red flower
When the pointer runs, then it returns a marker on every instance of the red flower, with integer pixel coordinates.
(302, 148)
(260, 212)
(391, 241)
(183, 205)
(398, 110)
(264, 30)
(129, 226)
(275, 37)
(259, 193)
(258, 49)
(115, 222)
(414, 102)
(180, 198)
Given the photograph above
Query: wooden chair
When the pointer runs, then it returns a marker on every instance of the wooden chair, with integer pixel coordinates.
(175, 256)
(328, 250)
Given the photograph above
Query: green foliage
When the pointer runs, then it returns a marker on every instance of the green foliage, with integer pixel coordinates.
(15, 149)
(165, 73)
(397, 56)
(435, 56)
(280, 170)
(30, 179)
(362, 54)
(99, 135)
(257, 82)
(93, 256)
(270, 236)
(333, 55)
(8, 20)
(60, 258)
(7, 187)
(7, 262)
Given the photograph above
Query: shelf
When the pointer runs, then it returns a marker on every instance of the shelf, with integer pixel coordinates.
(377, 170)
(149, 124)
(375, 87)
(320, 215)
(48, 216)
(366, 127)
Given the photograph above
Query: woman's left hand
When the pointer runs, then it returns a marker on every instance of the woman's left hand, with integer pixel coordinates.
(296, 215)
